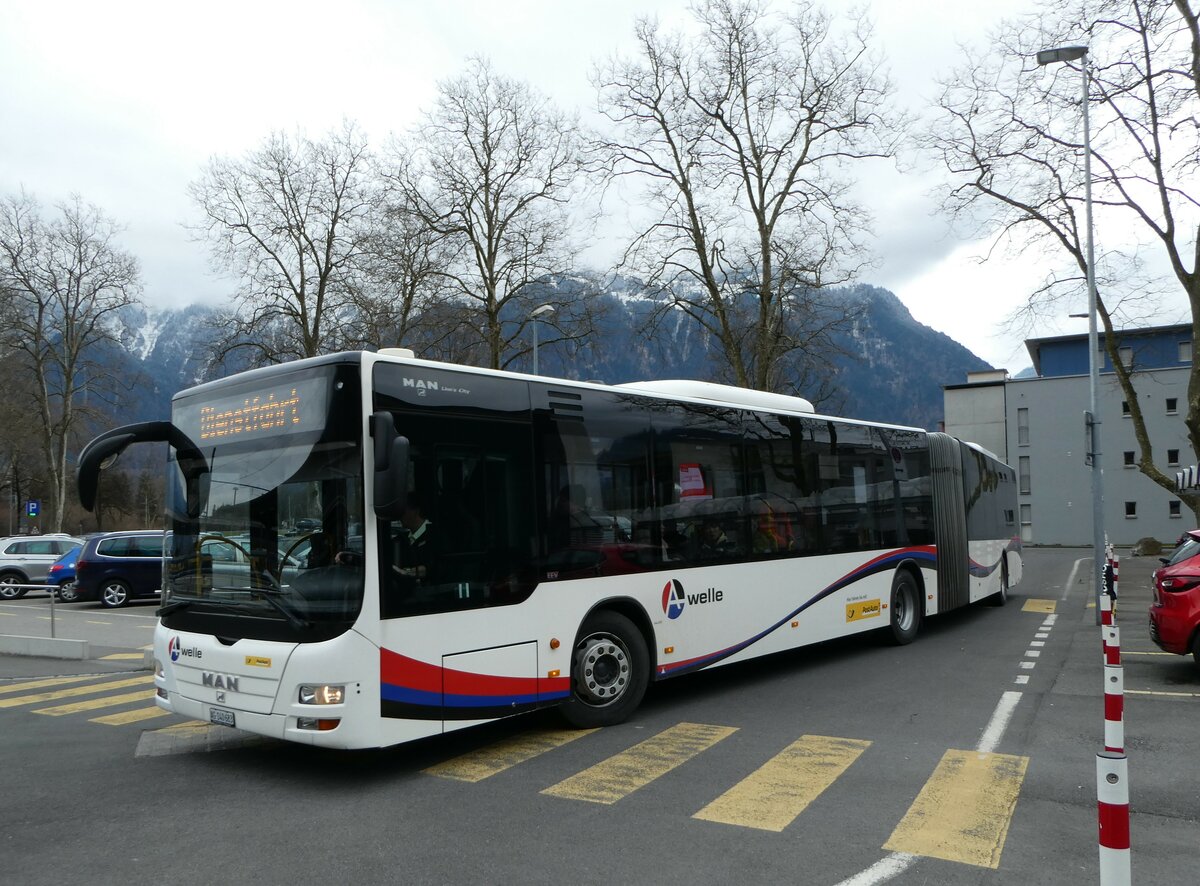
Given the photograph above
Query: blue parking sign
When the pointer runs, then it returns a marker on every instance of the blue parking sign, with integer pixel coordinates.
(33, 507)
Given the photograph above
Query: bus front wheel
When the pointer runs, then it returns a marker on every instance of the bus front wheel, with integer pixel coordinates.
(609, 672)
(905, 608)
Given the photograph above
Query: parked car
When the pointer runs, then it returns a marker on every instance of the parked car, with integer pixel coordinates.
(26, 560)
(1175, 612)
(119, 566)
(61, 576)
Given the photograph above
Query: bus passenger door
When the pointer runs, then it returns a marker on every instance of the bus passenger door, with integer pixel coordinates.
(489, 683)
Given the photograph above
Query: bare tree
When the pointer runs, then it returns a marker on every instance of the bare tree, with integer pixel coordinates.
(740, 135)
(62, 279)
(288, 220)
(1010, 135)
(401, 280)
(491, 172)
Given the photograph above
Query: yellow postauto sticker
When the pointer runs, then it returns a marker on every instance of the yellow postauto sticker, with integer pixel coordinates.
(258, 661)
(862, 609)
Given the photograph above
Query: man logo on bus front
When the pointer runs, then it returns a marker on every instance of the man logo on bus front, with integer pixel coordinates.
(673, 599)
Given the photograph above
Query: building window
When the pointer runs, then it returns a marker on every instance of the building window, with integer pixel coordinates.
(1026, 522)
(1172, 456)
(1172, 405)
(1023, 473)
(1129, 453)
(1022, 427)
(1126, 355)
(1125, 408)
(1131, 510)
(1185, 352)
(1174, 510)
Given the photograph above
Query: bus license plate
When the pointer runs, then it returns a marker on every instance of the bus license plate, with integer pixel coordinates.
(220, 717)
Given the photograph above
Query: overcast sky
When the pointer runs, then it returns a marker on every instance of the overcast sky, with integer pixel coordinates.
(123, 102)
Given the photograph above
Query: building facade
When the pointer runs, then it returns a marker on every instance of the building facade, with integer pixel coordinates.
(1037, 425)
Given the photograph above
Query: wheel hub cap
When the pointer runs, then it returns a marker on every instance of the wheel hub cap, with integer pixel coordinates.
(603, 670)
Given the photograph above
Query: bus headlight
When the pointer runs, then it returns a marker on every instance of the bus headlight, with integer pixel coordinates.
(158, 668)
(323, 694)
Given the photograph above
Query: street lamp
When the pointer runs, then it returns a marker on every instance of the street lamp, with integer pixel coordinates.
(533, 315)
(1049, 57)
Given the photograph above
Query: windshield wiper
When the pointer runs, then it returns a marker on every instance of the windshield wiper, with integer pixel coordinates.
(289, 611)
(173, 606)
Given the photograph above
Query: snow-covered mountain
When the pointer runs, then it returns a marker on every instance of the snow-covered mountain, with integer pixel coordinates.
(894, 370)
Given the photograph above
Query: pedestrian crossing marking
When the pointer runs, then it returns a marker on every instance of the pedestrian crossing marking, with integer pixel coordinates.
(74, 692)
(772, 796)
(123, 656)
(43, 683)
(486, 762)
(621, 775)
(92, 704)
(135, 716)
(1032, 605)
(963, 811)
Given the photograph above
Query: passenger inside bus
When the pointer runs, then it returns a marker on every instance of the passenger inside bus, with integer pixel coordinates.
(711, 542)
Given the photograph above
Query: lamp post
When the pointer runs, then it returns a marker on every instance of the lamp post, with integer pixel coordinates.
(1049, 57)
(541, 311)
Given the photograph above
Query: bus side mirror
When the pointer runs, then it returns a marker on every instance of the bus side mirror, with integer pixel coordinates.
(101, 452)
(391, 467)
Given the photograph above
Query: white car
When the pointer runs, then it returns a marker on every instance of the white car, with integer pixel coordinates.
(26, 559)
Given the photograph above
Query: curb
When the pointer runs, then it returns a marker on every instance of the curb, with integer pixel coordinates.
(45, 647)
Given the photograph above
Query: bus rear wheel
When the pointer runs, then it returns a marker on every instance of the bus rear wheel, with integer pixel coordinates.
(905, 608)
(609, 672)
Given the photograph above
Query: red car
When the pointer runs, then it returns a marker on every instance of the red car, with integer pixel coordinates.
(1175, 612)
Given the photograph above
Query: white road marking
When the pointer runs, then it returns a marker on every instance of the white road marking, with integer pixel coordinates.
(990, 740)
(887, 867)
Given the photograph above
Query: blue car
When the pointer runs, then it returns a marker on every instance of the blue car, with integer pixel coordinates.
(61, 576)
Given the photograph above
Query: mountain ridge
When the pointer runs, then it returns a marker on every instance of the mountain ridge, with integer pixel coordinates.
(892, 367)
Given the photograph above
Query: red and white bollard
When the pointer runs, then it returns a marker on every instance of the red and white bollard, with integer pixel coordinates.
(1114, 709)
(1112, 799)
(1106, 611)
(1116, 576)
(1112, 644)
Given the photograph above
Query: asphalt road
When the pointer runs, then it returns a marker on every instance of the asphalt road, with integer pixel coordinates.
(711, 782)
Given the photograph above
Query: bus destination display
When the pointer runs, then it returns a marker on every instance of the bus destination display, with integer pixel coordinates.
(284, 408)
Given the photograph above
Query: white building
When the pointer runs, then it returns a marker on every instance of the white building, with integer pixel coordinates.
(1037, 425)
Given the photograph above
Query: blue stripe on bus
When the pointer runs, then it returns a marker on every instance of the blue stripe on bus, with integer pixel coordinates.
(406, 695)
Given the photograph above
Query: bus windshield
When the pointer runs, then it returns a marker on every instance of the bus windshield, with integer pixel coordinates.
(275, 550)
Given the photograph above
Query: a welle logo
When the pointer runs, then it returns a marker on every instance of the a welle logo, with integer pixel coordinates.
(675, 598)
(177, 650)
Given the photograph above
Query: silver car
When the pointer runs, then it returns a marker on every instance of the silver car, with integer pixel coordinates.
(26, 559)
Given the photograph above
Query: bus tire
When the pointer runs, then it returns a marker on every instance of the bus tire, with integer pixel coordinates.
(610, 669)
(905, 608)
(1001, 596)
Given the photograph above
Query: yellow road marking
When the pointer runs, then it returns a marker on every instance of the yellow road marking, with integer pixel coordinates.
(48, 681)
(108, 701)
(1032, 605)
(621, 775)
(772, 796)
(191, 726)
(71, 693)
(1127, 652)
(1172, 694)
(123, 656)
(963, 811)
(486, 762)
(134, 716)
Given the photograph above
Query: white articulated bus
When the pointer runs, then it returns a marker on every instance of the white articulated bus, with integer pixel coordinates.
(367, 548)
